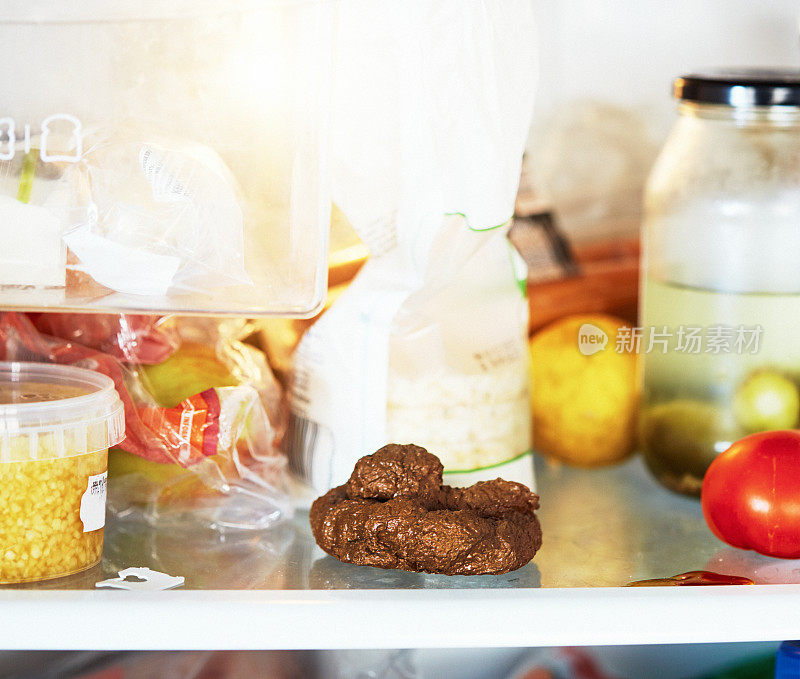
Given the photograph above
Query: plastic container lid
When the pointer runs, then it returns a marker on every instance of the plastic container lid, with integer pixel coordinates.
(52, 411)
(741, 87)
(787, 662)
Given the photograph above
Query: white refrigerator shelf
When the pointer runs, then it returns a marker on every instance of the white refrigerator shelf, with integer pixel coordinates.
(276, 589)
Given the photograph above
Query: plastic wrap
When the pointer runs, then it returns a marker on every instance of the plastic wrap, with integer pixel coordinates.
(203, 424)
(154, 216)
(133, 339)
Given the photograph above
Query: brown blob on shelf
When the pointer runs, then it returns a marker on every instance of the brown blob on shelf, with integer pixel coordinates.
(694, 579)
(394, 512)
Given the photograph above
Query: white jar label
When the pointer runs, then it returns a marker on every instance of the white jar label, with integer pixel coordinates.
(93, 503)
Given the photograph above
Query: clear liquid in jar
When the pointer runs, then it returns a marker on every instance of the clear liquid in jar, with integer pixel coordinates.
(690, 412)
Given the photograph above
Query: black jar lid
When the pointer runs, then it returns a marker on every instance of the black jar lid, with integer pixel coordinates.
(740, 87)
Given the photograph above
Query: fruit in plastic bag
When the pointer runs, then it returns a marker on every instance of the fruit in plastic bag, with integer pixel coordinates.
(191, 369)
(215, 453)
(211, 384)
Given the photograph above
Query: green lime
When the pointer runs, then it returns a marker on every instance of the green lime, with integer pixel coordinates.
(766, 400)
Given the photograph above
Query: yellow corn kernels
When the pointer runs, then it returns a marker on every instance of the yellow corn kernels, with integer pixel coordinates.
(41, 532)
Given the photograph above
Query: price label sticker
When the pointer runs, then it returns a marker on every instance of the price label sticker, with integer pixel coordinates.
(93, 503)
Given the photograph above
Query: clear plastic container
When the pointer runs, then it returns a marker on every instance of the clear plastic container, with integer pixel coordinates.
(165, 156)
(56, 426)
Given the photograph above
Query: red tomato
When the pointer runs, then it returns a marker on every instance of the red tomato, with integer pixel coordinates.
(751, 494)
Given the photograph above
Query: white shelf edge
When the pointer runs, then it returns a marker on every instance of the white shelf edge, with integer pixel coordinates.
(326, 619)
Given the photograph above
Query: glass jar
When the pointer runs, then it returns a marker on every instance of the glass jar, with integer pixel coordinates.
(720, 295)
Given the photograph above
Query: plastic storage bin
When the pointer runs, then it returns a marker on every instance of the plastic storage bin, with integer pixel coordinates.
(56, 426)
(165, 156)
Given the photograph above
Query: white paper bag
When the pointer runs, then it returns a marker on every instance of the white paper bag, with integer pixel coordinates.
(428, 345)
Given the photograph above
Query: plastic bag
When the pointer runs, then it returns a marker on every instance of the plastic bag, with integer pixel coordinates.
(155, 216)
(202, 427)
(135, 339)
(428, 344)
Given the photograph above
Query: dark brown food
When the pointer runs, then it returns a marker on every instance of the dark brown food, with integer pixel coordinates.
(394, 512)
(693, 579)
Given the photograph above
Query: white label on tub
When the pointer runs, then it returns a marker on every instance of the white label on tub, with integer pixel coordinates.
(93, 503)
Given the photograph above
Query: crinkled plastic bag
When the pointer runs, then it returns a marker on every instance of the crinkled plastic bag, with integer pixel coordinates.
(203, 422)
(134, 339)
(155, 216)
(428, 344)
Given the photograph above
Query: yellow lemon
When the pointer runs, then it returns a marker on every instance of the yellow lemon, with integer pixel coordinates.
(583, 391)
